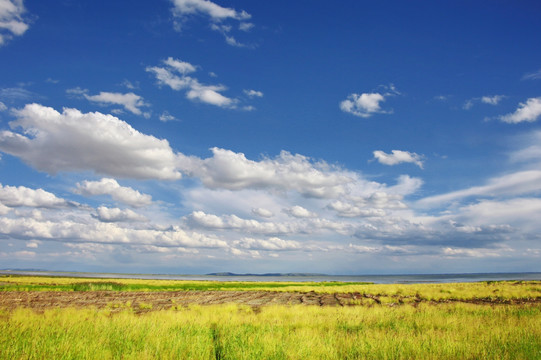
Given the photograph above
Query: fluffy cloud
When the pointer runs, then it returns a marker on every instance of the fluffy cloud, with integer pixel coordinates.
(179, 66)
(34, 244)
(366, 104)
(345, 209)
(229, 170)
(201, 220)
(377, 199)
(11, 19)
(106, 186)
(74, 141)
(130, 101)
(12, 196)
(106, 214)
(217, 14)
(300, 212)
(262, 212)
(165, 117)
(363, 105)
(4, 210)
(253, 93)
(174, 75)
(3, 107)
(103, 233)
(271, 244)
(492, 100)
(528, 111)
(397, 157)
(208, 8)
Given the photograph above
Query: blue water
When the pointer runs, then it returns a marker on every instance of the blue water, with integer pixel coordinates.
(377, 279)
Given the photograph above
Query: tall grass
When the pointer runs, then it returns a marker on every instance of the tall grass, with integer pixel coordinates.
(444, 331)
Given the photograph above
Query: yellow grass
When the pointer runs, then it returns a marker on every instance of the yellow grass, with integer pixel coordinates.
(444, 331)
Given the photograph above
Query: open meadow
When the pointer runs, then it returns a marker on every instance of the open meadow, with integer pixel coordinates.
(76, 318)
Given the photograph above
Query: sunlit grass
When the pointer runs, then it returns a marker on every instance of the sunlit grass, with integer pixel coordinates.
(489, 290)
(444, 331)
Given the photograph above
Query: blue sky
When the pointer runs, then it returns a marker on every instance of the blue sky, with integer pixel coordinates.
(195, 136)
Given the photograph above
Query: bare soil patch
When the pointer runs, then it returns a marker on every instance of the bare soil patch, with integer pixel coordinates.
(41, 300)
(146, 301)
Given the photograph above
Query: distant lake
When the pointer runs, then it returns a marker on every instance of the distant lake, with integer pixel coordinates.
(377, 279)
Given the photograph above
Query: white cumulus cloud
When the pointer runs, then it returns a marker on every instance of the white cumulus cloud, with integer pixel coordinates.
(208, 8)
(12, 22)
(95, 231)
(130, 101)
(74, 141)
(262, 212)
(218, 15)
(202, 220)
(253, 93)
(184, 9)
(111, 187)
(106, 214)
(363, 105)
(528, 111)
(397, 157)
(229, 170)
(270, 244)
(16, 196)
(174, 75)
(367, 104)
(492, 100)
(299, 212)
(165, 117)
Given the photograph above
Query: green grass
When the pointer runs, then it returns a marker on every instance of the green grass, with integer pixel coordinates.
(443, 331)
(38, 283)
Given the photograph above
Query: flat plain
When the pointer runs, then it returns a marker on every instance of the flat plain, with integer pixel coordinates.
(77, 318)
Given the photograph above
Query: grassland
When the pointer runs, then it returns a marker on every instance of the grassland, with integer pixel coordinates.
(489, 290)
(489, 320)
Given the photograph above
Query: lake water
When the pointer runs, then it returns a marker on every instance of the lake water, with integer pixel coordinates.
(378, 279)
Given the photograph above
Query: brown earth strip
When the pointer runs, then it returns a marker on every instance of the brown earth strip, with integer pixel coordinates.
(146, 301)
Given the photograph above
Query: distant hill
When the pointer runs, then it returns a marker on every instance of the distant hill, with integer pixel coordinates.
(28, 269)
(266, 274)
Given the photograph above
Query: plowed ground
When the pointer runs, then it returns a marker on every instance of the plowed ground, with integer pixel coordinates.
(146, 301)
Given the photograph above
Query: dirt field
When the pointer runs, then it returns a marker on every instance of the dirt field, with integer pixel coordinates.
(146, 301)
(163, 300)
